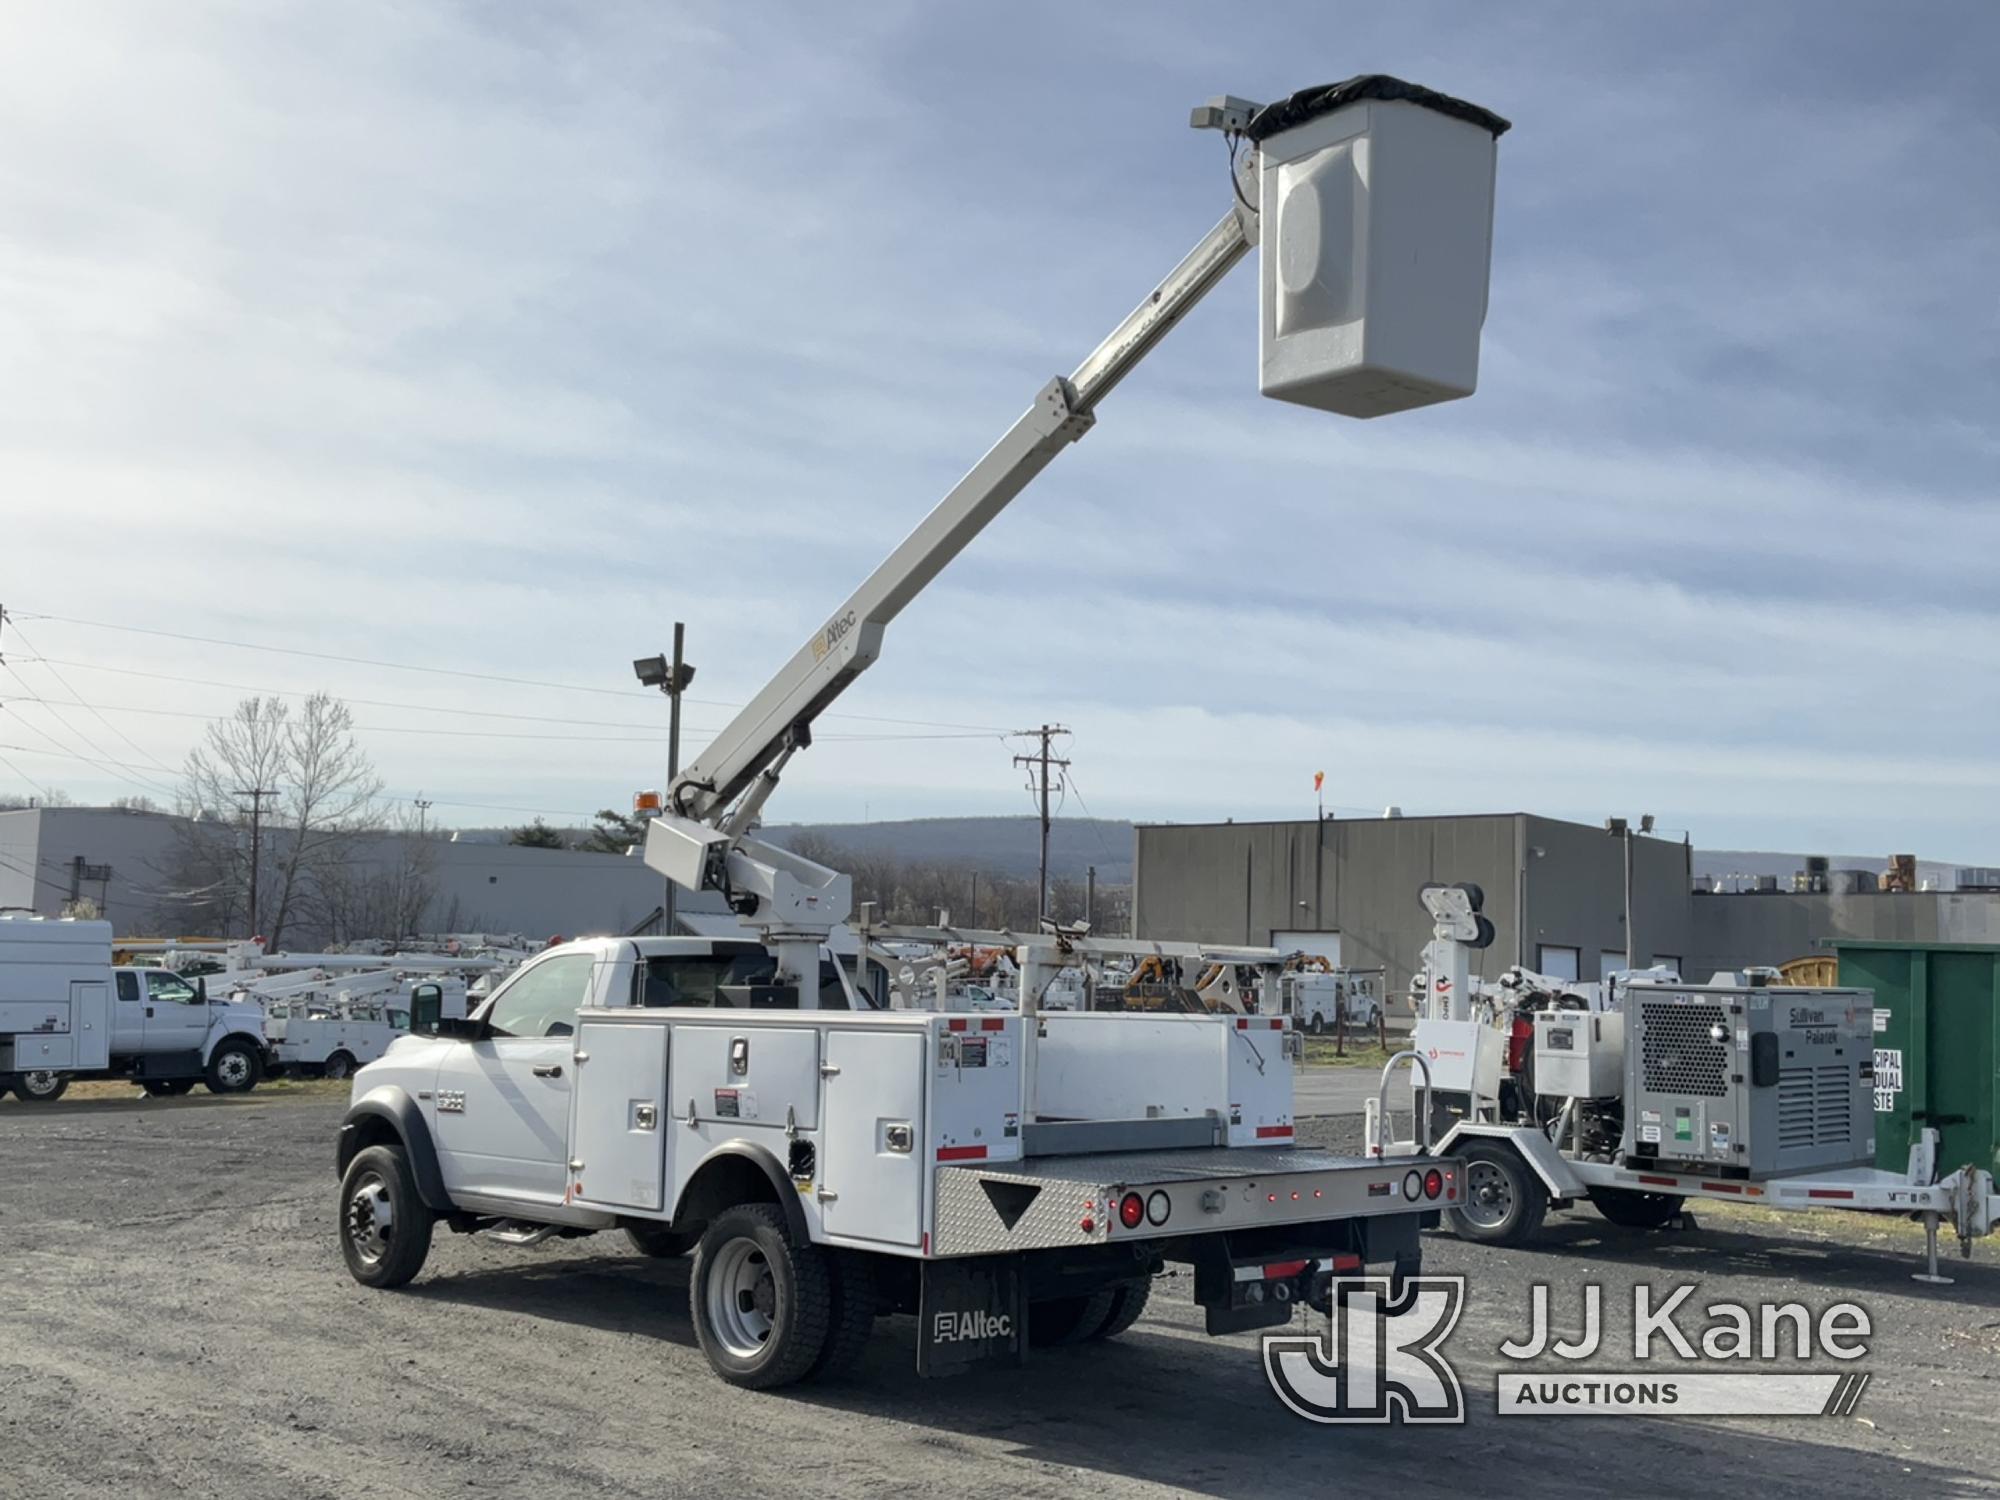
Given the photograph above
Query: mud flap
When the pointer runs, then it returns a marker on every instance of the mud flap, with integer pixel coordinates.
(971, 1315)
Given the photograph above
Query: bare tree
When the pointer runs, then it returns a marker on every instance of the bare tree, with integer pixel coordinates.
(384, 888)
(325, 797)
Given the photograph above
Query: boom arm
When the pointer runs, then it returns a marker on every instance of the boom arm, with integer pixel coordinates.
(778, 721)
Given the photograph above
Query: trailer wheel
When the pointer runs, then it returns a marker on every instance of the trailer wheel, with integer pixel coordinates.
(1504, 1201)
(1629, 1209)
(166, 1088)
(40, 1086)
(1128, 1301)
(660, 1242)
(385, 1228)
(234, 1068)
(1062, 1321)
(761, 1305)
(340, 1065)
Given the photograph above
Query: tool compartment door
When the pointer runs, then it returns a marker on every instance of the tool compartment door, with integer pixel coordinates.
(875, 1147)
(746, 1075)
(618, 1116)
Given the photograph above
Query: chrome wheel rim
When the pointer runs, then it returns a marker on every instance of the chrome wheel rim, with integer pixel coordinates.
(1489, 1195)
(742, 1298)
(40, 1082)
(370, 1220)
(233, 1068)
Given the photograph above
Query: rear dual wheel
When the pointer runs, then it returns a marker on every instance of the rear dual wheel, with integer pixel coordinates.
(1058, 1322)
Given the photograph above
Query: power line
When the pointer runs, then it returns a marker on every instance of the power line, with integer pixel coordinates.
(398, 666)
(144, 754)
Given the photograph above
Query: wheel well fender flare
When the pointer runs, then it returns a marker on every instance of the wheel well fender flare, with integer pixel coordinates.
(706, 1191)
(387, 1115)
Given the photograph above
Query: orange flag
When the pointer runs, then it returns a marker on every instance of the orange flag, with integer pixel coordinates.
(1319, 780)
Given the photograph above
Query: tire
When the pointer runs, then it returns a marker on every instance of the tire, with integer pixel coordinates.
(762, 1306)
(338, 1066)
(1128, 1301)
(1061, 1321)
(1635, 1210)
(853, 1322)
(385, 1227)
(234, 1067)
(40, 1086)
(1316, 1024)
(658, 1241)
(165, 1088)
(1504, 1202)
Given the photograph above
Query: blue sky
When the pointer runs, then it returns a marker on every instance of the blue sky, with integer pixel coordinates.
(461, 338)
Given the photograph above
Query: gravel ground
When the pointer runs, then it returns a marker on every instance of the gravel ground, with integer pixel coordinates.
(179, 1322)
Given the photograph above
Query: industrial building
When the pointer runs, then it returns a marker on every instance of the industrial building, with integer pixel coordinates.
(1347, 888)
(123, 860)
(1554, 890)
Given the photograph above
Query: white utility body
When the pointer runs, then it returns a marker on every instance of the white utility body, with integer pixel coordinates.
(67, 1014)
(1012, 1178)
(1519, 1079)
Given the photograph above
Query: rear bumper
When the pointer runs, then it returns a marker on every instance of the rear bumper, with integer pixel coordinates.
(1051, 1203)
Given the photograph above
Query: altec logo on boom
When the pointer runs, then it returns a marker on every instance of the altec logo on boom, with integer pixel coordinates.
(833, 635)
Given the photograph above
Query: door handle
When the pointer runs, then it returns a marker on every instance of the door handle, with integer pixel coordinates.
(548, 1070)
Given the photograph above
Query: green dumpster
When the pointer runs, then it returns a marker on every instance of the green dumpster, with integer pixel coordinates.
(1937, 1047)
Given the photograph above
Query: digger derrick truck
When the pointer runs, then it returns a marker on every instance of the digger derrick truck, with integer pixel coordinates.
(1014, 1179)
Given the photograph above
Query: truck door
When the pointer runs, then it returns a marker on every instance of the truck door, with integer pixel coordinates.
(503, 1101)
(128, 1014)
(176, 1014)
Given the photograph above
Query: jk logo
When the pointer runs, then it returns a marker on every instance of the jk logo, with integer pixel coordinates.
(1379, 1361)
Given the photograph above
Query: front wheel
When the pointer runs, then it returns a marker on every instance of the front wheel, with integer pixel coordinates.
(234, 1068)
(1635, 1210)
(40, 1086)
(762, 1305)
(1504, 1201)
(385, 1227)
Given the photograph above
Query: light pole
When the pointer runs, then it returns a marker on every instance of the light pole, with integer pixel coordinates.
(1618, 828)
(672, 678)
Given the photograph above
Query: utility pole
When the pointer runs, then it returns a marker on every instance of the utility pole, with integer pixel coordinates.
(256, 794)
(1090, 898)
(1621, 830)
(1040, 762)
(672, 678)
(423, 807)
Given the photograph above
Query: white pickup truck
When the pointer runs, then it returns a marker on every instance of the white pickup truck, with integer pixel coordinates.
(1014, 1180)
(67, 1014)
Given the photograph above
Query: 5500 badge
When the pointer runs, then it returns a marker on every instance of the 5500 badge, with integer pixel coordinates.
(833, 635)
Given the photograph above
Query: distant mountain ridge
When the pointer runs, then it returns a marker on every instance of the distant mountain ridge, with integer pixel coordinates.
(1000, 846)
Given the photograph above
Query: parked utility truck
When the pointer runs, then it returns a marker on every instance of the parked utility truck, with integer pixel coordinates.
(67, 1014)
(1012, 1178)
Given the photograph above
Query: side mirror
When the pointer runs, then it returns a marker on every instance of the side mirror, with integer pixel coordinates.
(201, 991)
(459, 1029)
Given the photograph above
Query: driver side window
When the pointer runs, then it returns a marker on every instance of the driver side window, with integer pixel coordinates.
(542, 999)
(169, 989)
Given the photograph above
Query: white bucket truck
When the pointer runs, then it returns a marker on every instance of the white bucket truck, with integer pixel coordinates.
(66, 1014)
(1012, 1178)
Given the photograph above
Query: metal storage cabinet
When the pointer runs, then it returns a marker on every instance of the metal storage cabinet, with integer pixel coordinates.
(1937, 1011)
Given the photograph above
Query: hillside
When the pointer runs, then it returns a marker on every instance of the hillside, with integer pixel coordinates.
(1000, 846)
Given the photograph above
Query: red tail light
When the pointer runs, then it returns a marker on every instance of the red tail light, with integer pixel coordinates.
(1433, 1183)
(1131, 1210)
